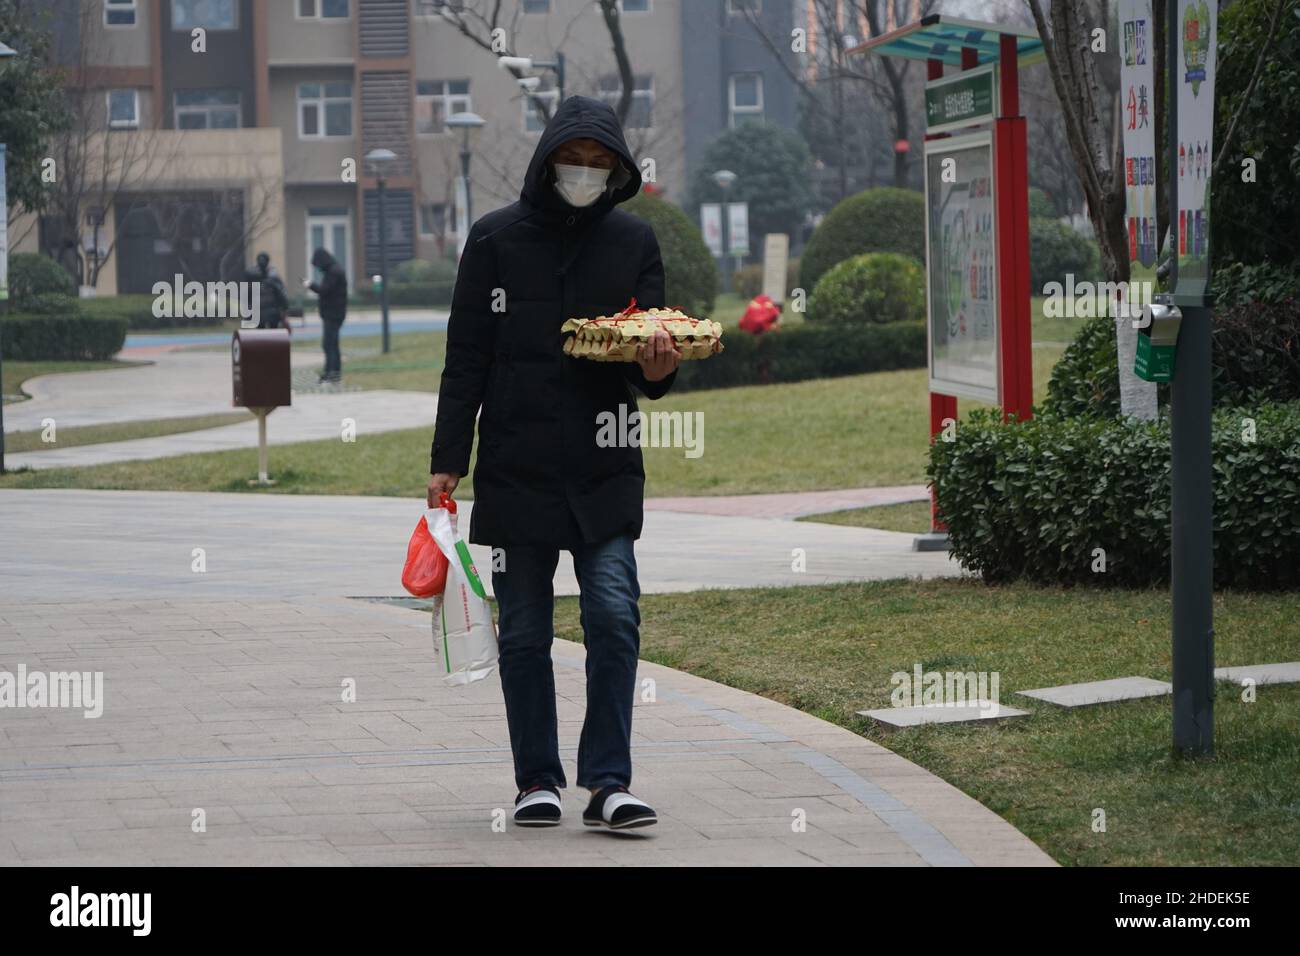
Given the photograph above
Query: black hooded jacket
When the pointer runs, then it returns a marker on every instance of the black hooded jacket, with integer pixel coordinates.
(332, 290)
(541, 478)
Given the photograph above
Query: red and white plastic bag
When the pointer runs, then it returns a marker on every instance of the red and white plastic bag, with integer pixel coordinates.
(463, 632)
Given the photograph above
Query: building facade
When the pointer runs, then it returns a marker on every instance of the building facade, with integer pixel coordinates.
(258, 114)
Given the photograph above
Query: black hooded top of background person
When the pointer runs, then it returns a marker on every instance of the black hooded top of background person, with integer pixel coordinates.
(332, 290)
(541, 477)
(273, 298)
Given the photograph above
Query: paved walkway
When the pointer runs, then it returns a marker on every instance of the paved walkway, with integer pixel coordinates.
(223, 692)
(184, 383)
(791, 504)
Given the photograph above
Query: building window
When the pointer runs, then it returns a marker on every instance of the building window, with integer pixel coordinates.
(323, 9)
(536, 6)
(533, 121)
(207, 109)
(209, 14)
(435, 100)
(119, 13)
(641, 113)
(635, 6)
(746, 98)
(434, 8)
(737, 8)
(433, 219)
(325, 110)
(124, 109)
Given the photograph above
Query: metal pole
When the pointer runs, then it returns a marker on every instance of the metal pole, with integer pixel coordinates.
(559, 73)
(464, 170)
(4, 309)
(1192, 493)
(262, 477)
(726, 241)
(383, 263)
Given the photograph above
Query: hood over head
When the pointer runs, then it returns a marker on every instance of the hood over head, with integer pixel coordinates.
(581, 117)
(321, 259)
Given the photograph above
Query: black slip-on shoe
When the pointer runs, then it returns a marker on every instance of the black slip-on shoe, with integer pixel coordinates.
(616, 809)
(538, 806)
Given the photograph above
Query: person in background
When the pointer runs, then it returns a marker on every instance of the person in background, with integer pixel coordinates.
(273, 298)
(332, 301)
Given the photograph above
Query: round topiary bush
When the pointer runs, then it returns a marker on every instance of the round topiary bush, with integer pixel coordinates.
(1055, 251)
(32, 275)
(690, 273)
(1254, 357)
(875, 287)
(878, 220)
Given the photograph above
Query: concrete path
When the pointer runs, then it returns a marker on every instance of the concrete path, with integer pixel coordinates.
(233, 712)
(791, 504)
(139, 545)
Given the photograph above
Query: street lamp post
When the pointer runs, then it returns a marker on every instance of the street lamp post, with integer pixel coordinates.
(725, 179)
(5, 53)
(379, 160)
(467, 123)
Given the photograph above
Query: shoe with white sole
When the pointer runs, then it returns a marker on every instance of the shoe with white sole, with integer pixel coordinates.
(538, 806)
(613, 807)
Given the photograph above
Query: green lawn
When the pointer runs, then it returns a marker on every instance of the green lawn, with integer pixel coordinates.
(830, 651)
(912, 517)
(98, 434)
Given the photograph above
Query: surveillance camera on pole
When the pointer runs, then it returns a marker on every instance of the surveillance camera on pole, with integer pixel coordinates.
(515, 62)
(529, 84)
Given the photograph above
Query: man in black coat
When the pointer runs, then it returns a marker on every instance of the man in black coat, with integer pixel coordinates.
(273, 300)
(332, 300)
(543, 482)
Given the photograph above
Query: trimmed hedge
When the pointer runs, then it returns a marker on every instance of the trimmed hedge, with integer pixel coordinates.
(137, 312)
(428, 294)
(803, 352)
(690, 274)
(1057, 250)
(32, 275)
(877, 220)
(34, 338)
(1255, 357)
(1032, 500)
(875, 287)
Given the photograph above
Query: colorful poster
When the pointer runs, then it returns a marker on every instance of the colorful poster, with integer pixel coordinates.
(961, 267)
(1137, 83)
(1192, 74)
(711, 226)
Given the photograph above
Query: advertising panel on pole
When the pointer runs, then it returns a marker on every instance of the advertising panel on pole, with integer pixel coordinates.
(738, 228)
(776, 262)
(961, 267)
(1137, 87)
(1192, 74)
(711, 226)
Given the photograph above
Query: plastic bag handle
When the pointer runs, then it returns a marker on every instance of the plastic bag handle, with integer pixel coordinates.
(445, 501)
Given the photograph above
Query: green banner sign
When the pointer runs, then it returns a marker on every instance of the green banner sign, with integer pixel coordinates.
(962, 99)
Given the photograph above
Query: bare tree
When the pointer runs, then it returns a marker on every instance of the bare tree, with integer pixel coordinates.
(1091, 120)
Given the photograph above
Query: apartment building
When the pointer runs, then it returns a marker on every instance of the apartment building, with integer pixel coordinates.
(259, 115)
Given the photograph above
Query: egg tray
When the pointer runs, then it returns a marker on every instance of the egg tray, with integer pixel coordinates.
(616, 338)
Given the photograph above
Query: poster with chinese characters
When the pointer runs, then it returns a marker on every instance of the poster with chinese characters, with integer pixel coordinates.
(961, 267)
(1192, 74)
(1137, 84)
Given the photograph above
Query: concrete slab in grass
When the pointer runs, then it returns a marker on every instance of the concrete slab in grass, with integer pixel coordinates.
(1100, 691)
(1288, 673)
(941, 714)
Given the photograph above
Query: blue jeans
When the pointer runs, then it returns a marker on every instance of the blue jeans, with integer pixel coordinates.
(330, 343)
(611, 623)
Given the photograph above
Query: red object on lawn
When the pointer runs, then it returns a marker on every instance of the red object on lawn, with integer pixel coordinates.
(425, 572)
(760, 316)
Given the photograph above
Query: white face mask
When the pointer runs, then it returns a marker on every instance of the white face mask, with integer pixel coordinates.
(580, 185)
